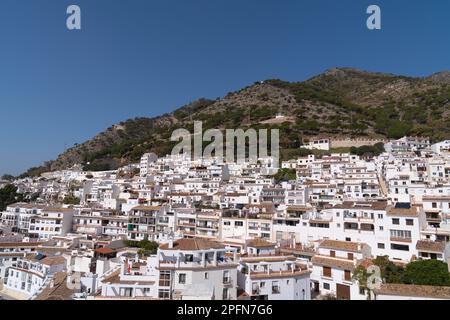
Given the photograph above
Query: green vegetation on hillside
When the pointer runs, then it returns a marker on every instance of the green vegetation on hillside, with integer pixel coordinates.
(285, 175)
(71, 200)
(9, 195)
(341, 102)
(368, 151)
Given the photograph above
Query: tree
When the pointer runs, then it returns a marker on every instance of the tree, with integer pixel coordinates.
(71, 200)
(9, 195)
(8, 177)
(399, 129)
(368, 151)
(146, 247)
(427, 272)
(390, 272)
(285, 175)
(361, 275)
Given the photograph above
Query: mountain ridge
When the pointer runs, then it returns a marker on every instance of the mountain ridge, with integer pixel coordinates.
(339, 102)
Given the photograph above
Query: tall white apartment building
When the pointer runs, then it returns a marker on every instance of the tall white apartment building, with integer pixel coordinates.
(146, 161)
(265, 274)
(51, 222)
(186, 269)
(29, 274)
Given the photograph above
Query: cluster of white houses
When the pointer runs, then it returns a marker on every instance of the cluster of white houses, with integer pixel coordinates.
(230, 231)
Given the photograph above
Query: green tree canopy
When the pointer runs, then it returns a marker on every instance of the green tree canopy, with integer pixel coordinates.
(9, 195)
(146, 247)
(71, 200)
(390, 272)
(285, 175)
(8, 177)
(427, 272)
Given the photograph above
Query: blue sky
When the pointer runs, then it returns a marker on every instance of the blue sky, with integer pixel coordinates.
(144, 58)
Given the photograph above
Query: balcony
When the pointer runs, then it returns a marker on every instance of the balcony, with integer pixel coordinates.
(187, 225)
(269, 273)
(397, 239)
(433, 217)
(207, 227)
(358, 218)
(367, 227)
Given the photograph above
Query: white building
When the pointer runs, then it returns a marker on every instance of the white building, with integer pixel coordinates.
(267, 275)
(333, 266)
(186, 269)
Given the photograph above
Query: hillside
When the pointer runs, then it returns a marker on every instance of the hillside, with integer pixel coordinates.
(339, 102)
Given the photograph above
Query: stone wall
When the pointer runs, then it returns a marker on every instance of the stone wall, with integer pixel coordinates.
(347, 143)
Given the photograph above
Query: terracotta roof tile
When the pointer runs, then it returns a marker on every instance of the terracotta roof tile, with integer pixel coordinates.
(430, 246)
(342, 245)
(333, 262)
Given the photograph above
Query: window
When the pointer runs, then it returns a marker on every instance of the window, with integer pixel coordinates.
(380, 216)
(225, 294)
(409, 222)
(164, 279)
(275, 287)
(381, 228)
(255, 288)
(226, 277)
(164, 294)
(400, 247)
(128, 292)
(348, 239)
(434, 205)
(402, 234)
(182, 278)
(238, 223)
(347, 275)
(326, 272)
(395, 221)
(326, 286)
(381, 246)
(350, 256)
(332, 253)
(226, 223)
(206, 275)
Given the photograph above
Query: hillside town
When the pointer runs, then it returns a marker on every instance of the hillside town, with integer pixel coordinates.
(173, 228)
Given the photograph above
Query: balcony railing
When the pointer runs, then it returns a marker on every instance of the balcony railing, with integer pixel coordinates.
(397, 239)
